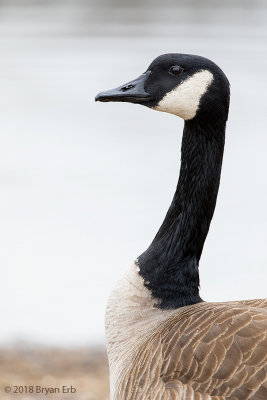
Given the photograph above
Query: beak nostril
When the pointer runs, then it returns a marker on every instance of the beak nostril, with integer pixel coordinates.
(125, 88)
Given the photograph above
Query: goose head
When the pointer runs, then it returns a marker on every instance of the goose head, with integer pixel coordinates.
(185, 85)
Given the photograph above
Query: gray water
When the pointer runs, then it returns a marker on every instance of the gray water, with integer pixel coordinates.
(84, 186)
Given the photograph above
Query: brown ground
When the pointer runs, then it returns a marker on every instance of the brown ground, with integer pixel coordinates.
(85, 369)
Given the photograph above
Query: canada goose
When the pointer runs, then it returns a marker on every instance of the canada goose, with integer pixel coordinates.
(164, 341)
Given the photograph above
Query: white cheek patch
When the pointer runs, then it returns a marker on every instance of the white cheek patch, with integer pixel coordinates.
(184, 99)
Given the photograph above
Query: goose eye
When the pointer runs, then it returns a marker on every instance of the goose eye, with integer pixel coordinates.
(176, 70)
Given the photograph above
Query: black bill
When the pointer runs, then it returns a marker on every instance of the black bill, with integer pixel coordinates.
(132, 92)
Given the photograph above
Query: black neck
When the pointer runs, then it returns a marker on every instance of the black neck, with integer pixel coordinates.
(170, 265)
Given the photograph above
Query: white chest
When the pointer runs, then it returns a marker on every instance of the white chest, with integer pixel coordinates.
(130, 320)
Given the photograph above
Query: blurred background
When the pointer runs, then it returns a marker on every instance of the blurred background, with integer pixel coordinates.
(84, 186)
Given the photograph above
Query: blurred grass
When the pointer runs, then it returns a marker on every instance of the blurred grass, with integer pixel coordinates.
(83, 368)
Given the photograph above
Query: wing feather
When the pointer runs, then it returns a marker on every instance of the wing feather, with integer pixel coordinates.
(217, 353)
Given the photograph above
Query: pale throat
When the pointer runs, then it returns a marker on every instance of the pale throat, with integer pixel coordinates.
(184, 99)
